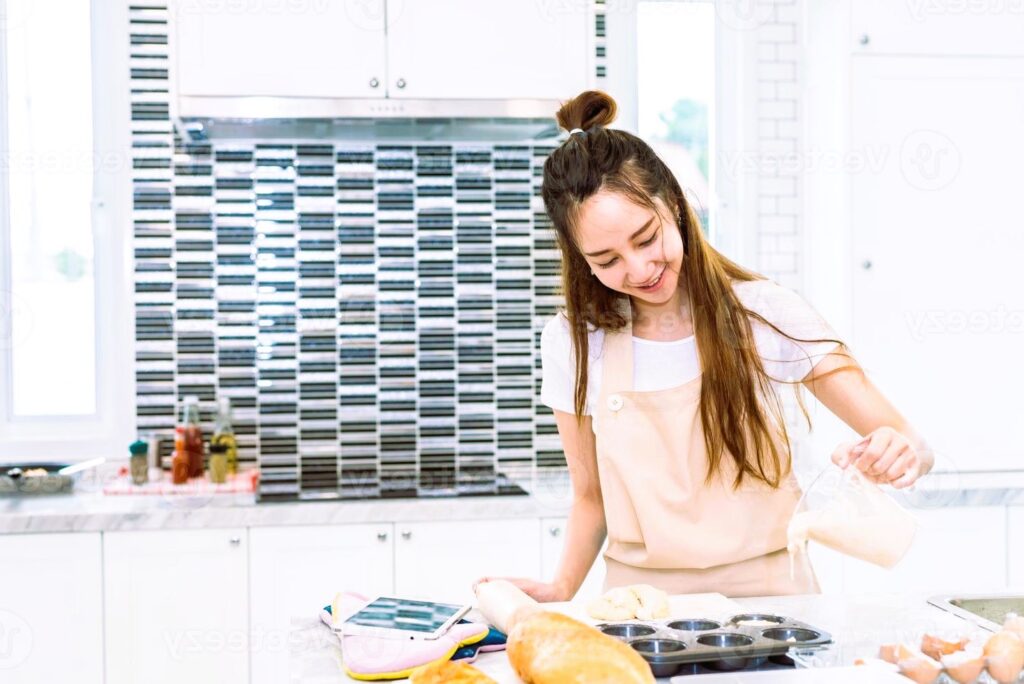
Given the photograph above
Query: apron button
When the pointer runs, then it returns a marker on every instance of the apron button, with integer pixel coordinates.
(614, 402)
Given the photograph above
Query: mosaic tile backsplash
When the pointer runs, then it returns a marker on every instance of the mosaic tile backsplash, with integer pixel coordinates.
(372, 310)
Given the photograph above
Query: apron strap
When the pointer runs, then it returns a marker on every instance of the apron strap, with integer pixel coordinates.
(617, 364)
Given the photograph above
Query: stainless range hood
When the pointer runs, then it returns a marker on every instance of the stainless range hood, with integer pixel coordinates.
(278, 118)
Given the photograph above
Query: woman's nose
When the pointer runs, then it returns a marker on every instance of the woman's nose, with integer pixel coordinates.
(638, 269)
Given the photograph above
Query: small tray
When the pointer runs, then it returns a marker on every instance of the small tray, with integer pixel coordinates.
(743, 641)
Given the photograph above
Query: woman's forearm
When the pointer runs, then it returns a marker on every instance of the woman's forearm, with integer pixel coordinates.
(584, 537)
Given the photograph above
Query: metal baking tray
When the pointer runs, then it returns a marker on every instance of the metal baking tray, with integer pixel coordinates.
(42, 478)
(688, 645)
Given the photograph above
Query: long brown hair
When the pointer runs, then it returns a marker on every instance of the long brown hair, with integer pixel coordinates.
(740, 411)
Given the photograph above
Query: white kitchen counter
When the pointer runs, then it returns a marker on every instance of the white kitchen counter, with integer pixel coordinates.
(550, 496)
(858, 625)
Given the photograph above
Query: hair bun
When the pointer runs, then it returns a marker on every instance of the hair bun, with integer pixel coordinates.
(588, 109)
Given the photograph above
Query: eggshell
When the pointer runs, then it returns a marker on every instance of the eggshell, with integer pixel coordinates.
(1005, 654)
(920, 668)
(936, 647)
(964, 667)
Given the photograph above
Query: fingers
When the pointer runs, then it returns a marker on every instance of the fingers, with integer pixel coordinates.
(906, 479)
(845, 454)
(873, 452)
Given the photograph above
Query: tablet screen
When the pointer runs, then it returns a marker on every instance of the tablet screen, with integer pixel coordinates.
(404, 614)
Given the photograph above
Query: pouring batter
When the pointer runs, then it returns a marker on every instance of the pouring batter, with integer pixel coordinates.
(665, 374)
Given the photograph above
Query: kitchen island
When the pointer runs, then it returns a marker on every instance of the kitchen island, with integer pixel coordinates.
(858, 624)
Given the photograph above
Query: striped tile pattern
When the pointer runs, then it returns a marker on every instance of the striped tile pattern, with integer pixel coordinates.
(372, 310)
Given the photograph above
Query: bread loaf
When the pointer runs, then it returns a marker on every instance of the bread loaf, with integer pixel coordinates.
(552, 648)
(449, 672)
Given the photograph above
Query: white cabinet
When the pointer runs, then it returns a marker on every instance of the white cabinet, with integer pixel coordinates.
(441, 560)
(1015, 550)
(176, 606)
(51, 610)
(937, 243)
(332, 48)
(937, 27)
(295, 569)
(552, 542)
(956, 550)
(315, 52)
(474, 49)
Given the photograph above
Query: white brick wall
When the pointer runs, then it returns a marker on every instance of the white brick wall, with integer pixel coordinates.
(778, 144)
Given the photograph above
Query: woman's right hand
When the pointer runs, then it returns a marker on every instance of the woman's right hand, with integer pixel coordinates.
(542, 592)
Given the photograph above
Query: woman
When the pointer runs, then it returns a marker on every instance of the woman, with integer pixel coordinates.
(664, 374)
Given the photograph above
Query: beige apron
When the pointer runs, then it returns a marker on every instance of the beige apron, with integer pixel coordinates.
(666, 527)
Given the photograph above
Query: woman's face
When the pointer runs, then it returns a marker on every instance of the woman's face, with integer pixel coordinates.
(628, 246)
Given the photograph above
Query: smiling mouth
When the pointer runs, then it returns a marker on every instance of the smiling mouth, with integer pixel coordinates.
(653, 282)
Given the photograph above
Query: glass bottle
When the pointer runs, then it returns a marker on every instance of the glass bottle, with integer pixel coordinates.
(181, 462)
(224, 433)
(193, 436)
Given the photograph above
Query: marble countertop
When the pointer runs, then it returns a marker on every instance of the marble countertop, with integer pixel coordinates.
(858, 624)
(550, 495)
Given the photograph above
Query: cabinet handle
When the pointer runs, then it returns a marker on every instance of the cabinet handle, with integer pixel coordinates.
(866, 265)
(374, 83)
(406, 534)
(865, 39)
(400, 83)
(236, 541)
(555, 531)
(382, 536)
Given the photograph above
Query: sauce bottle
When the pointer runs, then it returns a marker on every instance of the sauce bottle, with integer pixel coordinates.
(224, 434)
(193, 436)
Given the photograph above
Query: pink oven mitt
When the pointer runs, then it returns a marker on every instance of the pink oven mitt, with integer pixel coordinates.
(373, 658)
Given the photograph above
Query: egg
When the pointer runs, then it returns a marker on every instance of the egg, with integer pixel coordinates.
(964, 667)
(1005, 654)
(920, 668)
(936, 647)
(887, 652)
(1014, 623)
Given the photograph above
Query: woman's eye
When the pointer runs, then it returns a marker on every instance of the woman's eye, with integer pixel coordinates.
(608, 263)
(650, 240)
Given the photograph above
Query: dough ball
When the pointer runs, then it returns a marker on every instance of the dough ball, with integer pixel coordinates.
(653, 602)
(617, 604)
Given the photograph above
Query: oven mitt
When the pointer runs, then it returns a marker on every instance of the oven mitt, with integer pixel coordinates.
(374, 658)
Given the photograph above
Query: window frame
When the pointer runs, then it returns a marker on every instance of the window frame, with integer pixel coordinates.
(108, 431)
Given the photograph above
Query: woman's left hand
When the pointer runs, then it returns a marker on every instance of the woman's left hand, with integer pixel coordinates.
(885, 456)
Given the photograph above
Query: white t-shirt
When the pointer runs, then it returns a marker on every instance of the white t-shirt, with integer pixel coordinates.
(659, 365)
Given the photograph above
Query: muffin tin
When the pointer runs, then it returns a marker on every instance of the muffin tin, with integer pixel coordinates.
(744, 641)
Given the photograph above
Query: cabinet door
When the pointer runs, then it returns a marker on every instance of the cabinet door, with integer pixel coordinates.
(440, 561)
(937, 302)
(329, 48)
(956, 550)
(51, 610)
(552, 542)
(487, 49)
(295, 571)
(937, 27)
(176, 606)
(1015, 539)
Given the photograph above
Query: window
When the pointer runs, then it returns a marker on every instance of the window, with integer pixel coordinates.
(676, 93)
(63, 183)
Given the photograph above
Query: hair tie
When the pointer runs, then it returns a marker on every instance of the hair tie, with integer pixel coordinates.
(577, 130)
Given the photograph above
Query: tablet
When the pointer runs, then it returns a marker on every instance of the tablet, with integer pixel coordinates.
(397, 618)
